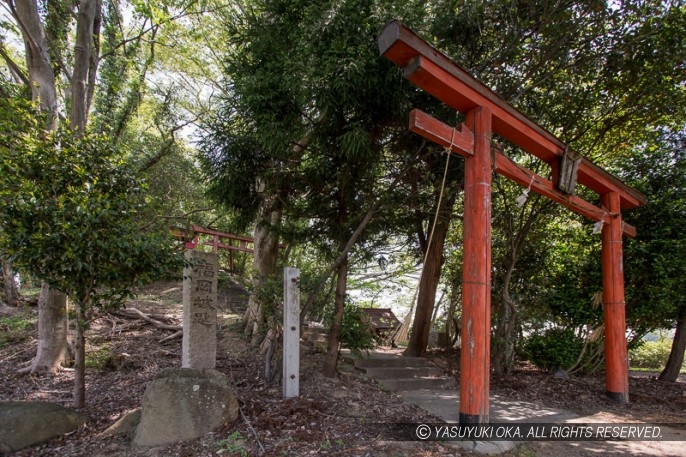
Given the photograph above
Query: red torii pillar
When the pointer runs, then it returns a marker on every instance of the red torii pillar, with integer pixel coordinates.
(616, 360)
(476, 272)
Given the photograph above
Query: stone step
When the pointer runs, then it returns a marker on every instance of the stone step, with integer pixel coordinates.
(399, 361)
(315, 337)
(236, 298)
(315, 331)
(238, 308)
(380, 373)
(416, 383)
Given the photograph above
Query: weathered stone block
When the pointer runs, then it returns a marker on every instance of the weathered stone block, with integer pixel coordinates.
(182, 404)
(24, 424)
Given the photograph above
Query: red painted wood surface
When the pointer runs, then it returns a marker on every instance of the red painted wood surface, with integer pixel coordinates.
(216, 245)
(459, 140)
(218, 240)
(434, 72)
(616, 363)
(440, 133)
(231, 242)
(476, 272)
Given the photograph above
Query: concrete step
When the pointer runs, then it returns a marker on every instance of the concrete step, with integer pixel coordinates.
(380, 373)
(389, 362)
(317, 337)
(416, 383)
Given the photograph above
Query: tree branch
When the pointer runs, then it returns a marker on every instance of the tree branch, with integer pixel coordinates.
(343, 254)
(95, 55)
(14, 68)
(183, 216)
(133, 313)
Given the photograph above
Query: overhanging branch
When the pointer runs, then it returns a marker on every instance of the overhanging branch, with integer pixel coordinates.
(14, 68)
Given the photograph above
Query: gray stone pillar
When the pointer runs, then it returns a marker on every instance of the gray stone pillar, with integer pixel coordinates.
(199, 346)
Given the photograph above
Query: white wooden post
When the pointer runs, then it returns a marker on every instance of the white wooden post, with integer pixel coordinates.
(291, 333)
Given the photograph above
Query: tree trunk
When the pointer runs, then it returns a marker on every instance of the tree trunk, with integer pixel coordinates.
(9, 286)
(450, 327)
(82, 64)
(52, 331)
(431, 273)
(42, 78)
(52, 308)
(80, 358)
(676, 355)
(264, 264)
(331, 361)
(504, 337)
(426, 298)
(517, 230)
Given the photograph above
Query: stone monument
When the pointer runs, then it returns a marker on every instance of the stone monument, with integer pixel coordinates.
(199, 346)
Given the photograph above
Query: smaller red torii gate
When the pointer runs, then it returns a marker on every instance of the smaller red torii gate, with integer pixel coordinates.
(218, 240)
(487, 114)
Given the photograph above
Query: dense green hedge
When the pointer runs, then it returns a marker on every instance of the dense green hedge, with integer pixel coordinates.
(554, 349)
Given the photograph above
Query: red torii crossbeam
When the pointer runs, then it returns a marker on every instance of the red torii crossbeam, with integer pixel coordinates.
(217, 240)
(486, 114)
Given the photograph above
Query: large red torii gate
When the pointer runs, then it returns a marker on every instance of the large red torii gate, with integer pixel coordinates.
(487, 114)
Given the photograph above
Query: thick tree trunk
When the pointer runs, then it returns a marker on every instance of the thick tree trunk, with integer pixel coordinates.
(431, 273)
(426, 297)
(9, 286)
(331, 360)
(52, 309)
(676, 355)
(82, 65)
(80, 358)
(52, 331)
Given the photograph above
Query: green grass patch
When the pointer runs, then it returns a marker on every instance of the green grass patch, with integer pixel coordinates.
(233, 445)
(15, 329)
(98, 356)
(650, 370)
(32, 292)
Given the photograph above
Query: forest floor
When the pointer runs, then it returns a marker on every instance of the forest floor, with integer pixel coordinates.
(335, 417)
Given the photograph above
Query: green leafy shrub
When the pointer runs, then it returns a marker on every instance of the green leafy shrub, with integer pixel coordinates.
(555, 348)
(651, 355)
(356, 334)
(269, 293)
